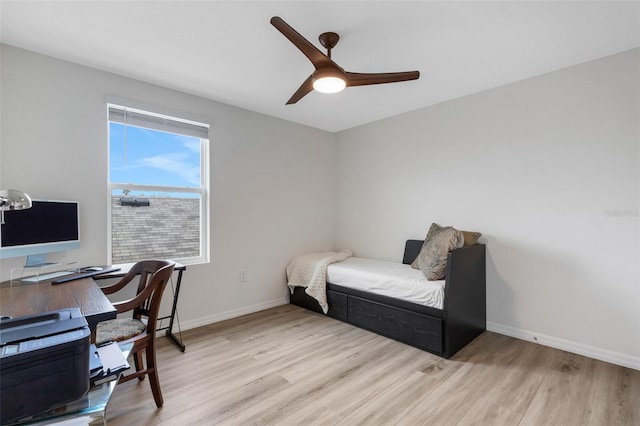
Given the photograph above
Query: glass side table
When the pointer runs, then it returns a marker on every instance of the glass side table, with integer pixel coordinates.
(90, 409)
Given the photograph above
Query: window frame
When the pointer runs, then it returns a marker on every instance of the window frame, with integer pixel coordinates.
(202, 190)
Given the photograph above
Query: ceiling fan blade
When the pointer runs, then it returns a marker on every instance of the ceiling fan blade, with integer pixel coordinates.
(305, 88)
(363, 79)
(317, 58)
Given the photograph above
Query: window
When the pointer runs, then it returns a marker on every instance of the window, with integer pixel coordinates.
(158, 187)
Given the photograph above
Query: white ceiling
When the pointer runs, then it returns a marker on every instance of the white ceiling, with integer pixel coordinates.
(228, 51)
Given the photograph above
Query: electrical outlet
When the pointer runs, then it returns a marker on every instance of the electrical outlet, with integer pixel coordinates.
(243, 276)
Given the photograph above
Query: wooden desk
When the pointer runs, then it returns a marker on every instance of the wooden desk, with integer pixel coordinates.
(21, 298)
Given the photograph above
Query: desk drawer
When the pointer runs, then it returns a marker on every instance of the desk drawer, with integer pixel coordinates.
(413, 328)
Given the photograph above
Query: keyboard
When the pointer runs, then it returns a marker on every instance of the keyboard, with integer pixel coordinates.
(46, 277)
(82, 275)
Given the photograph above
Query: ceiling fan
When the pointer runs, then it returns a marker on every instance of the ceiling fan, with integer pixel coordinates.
(329, 77)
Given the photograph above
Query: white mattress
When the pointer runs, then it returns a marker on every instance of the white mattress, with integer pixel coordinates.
(391, 279)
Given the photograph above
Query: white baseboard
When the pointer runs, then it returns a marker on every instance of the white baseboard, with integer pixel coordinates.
(199, 322)
(567, 345)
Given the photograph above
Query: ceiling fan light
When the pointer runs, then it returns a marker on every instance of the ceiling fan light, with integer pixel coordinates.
(328, 80)
(329, 84)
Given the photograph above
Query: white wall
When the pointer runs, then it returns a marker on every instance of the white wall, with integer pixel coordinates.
(538, 167)
(272, 182)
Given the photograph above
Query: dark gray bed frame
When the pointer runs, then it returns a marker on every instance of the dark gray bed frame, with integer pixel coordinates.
(442, 332)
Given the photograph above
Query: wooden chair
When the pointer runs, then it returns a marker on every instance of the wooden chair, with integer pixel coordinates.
(140, 329)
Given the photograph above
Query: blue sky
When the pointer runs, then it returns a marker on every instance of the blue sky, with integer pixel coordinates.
(153, 157)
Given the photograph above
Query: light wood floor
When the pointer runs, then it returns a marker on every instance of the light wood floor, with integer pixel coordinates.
(289, 366)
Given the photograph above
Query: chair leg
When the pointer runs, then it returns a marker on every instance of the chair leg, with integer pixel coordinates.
(137, 360)
(153, 374)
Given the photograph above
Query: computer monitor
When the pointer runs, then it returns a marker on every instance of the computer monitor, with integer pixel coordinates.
(47, 227)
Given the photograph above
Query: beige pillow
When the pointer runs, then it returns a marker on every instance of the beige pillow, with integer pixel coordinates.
(432, 259)
(470, 238)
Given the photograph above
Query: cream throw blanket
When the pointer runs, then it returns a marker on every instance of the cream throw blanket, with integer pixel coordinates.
(310, 271)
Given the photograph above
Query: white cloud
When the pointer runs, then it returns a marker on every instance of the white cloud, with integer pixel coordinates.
(176, 164)
(193, 145)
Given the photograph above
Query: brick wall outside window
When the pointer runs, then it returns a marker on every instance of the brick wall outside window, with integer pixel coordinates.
(166, 229)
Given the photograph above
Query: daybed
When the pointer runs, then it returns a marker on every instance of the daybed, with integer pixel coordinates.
(440, 331)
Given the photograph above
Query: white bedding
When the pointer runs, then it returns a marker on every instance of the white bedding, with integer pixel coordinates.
(391, 279)
(310, 271)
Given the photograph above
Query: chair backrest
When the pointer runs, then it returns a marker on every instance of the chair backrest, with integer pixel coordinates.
(153, 278)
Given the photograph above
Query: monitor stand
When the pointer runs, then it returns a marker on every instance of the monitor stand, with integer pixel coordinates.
(39, 261)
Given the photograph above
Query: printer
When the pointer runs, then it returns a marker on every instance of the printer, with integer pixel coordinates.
(44, 362)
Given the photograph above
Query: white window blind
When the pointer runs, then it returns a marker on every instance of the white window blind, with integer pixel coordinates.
(134, 117)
